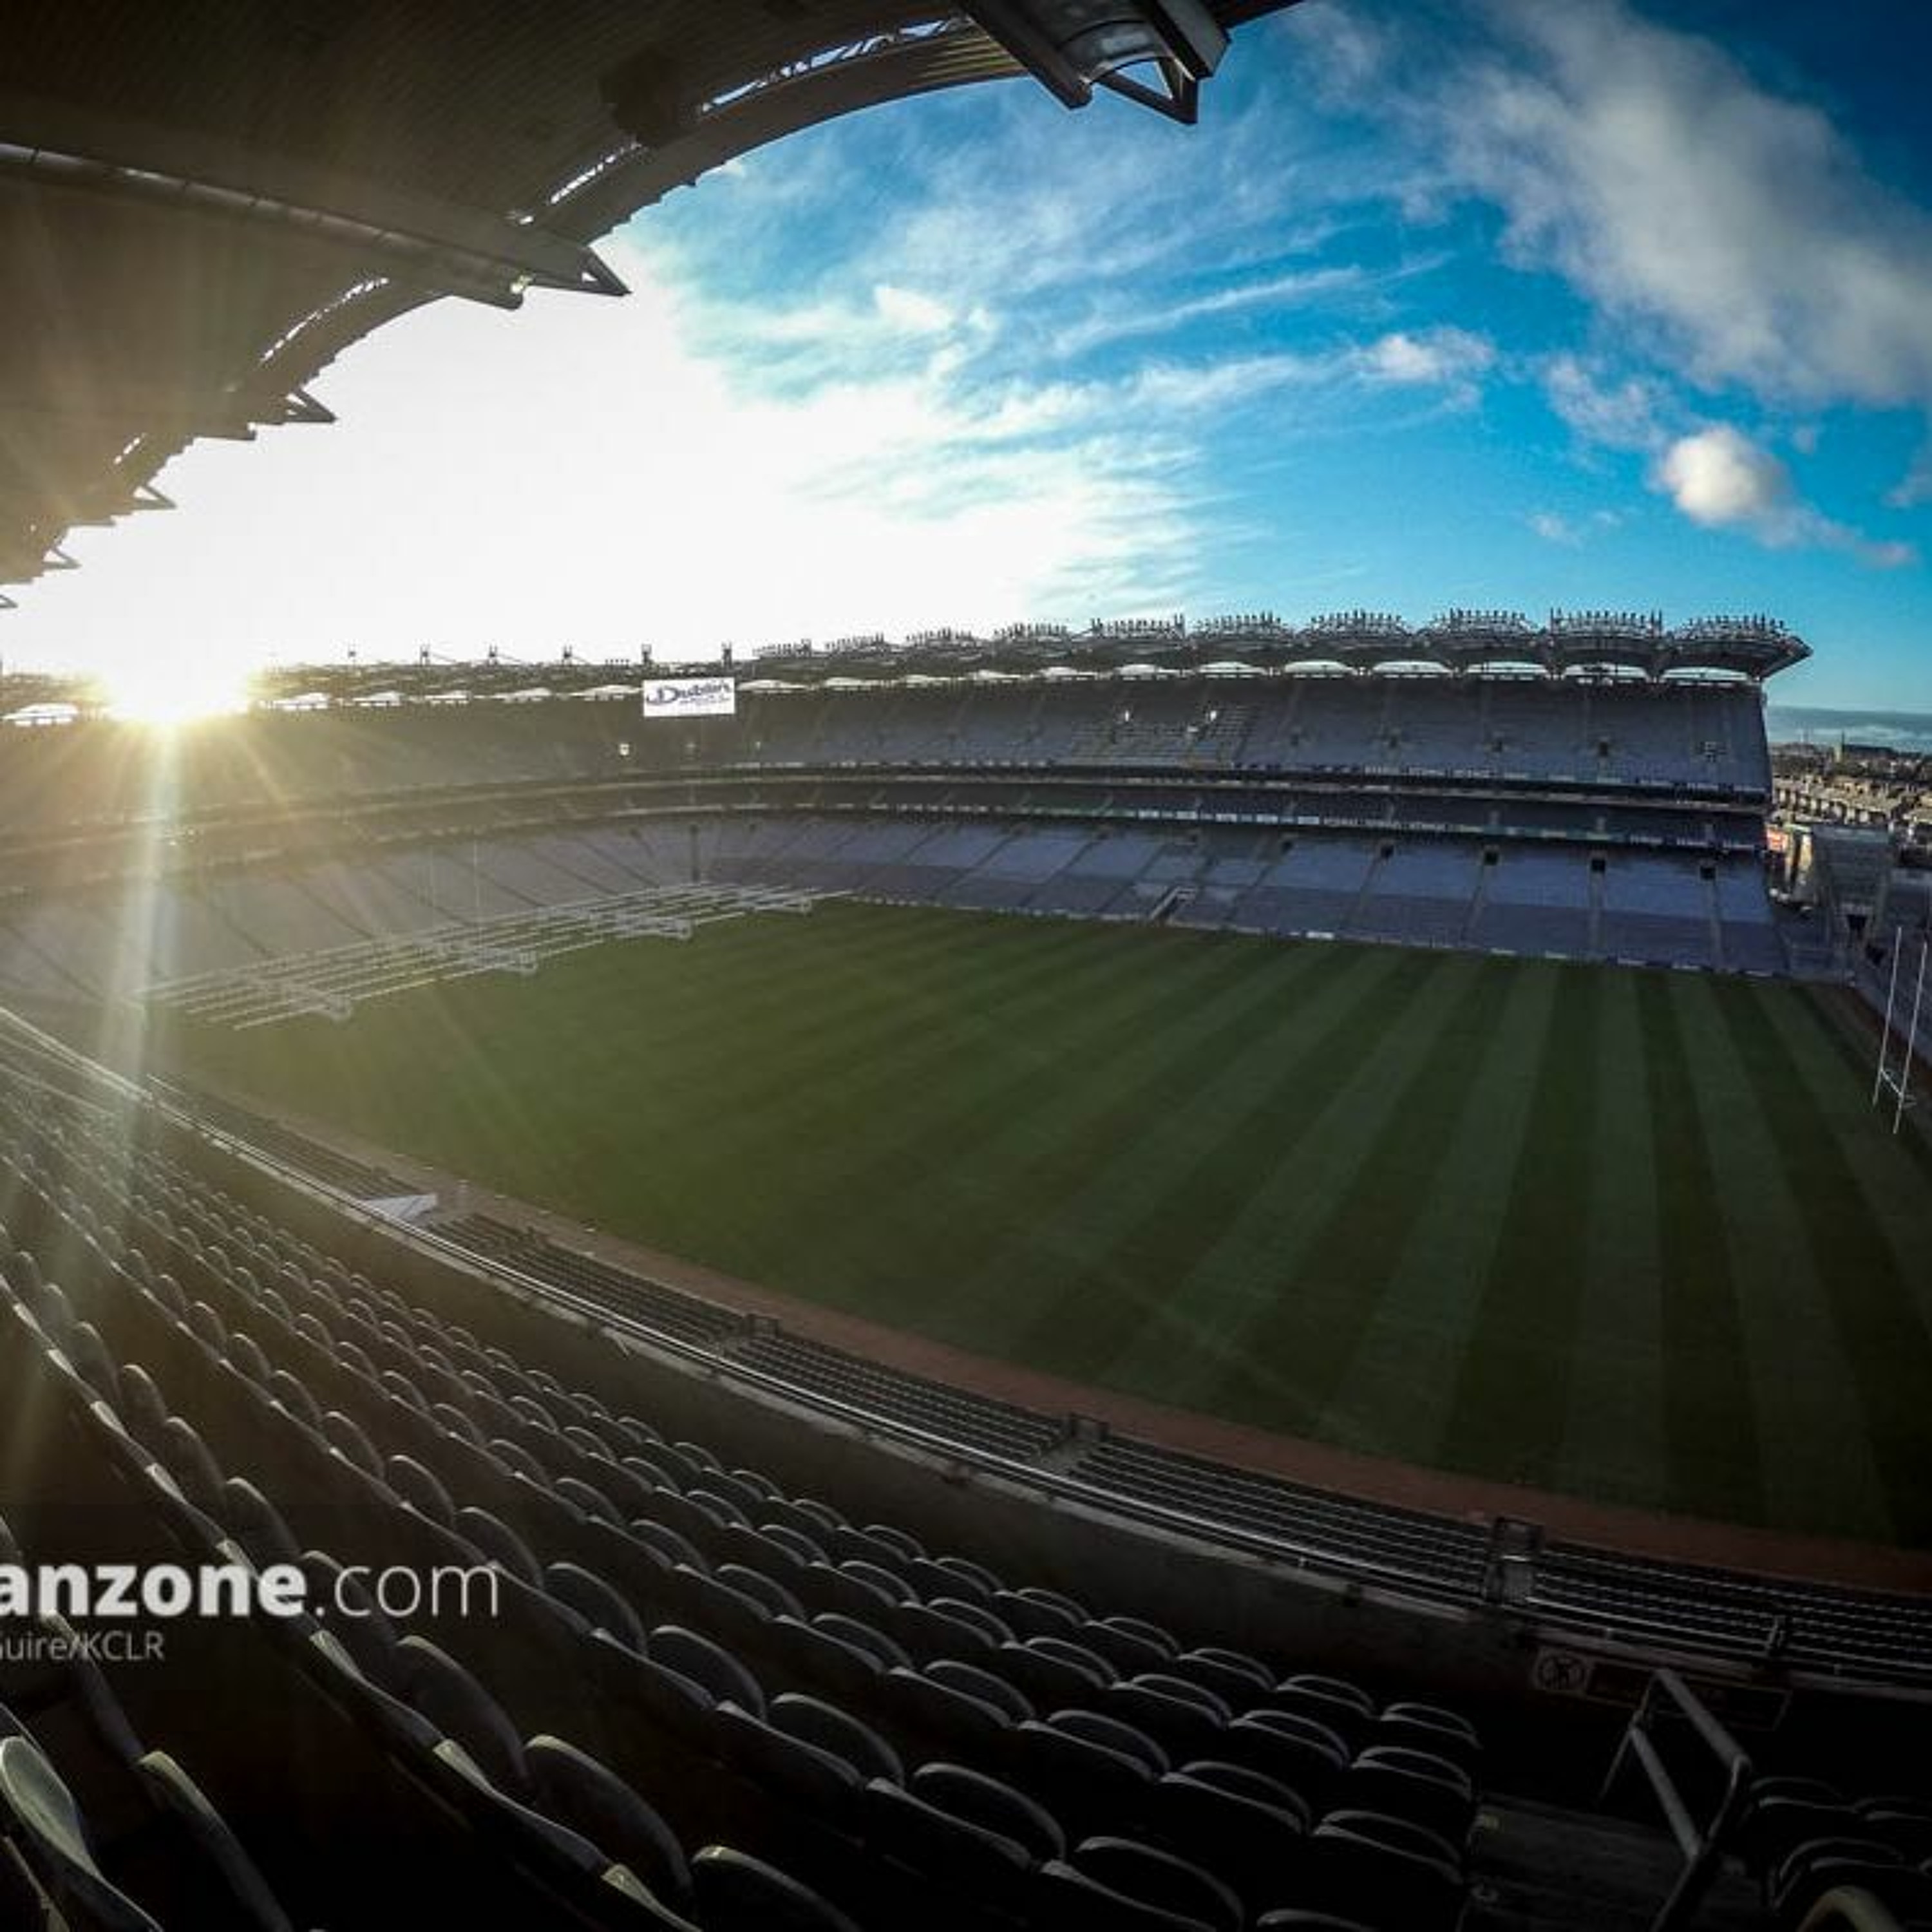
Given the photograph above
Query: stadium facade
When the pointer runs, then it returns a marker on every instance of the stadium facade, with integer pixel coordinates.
(1596, 789)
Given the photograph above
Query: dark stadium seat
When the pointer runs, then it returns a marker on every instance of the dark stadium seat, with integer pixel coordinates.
(1403, 1784)
(1071, 1901)
(698, 1658)
(957, 1856)
(1348, 1720)
(1087, 1786)
(773, 1597)
(459, 1707)
(188, 1460)
(1048, 1681)
(208, 1326)
(1233, 1676)
(572, 1787)
(944, 1718)
(888, 1584)
(814, 1783)
(1158, 1878)
(1296, 1918)
(928, 1632)
(720, 1507)
(814, 1655)
(600, 1606)
(294, 1397)
(417, 1488)
(245, 1353)
(346, 1437)
(1182, 1729)
(1254, 1847)
(833, 1590)
(355, 1619)
(250, 1904)
(168, 1291)
(1356, 1869)
(837, 1731)
(142, 1407)
(257, 1525)
(734, 1615)
(395, 1383)
(863, 1635)
(1904, 1826)
(799, 1543)
(1115, 1735)
(672, 1546)
(991, 1803)
(44, 1826)
(498, 1544)
(587, 1499)
(1428, 1727)
(988, 1686)
(1039, 1613)
(1128, 1645)
(85, 1350)
(1404, 1834)
(1305, 1757)
(735, 1893)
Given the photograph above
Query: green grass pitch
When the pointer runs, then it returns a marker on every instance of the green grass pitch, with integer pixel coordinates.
(1633, 1235)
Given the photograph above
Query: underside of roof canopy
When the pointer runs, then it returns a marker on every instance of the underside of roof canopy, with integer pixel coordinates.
(201, 204)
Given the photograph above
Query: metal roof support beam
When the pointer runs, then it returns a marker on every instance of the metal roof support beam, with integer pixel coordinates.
(1070, 52)
(161, 408)
(301, 407)
(461, 251)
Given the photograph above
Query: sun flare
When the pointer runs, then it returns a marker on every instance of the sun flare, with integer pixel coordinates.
(176, 694)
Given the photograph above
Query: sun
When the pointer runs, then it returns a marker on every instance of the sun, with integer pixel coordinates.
(170, 694)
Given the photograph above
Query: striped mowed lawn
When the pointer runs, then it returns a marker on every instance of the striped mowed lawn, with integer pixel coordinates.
(1634, 1235)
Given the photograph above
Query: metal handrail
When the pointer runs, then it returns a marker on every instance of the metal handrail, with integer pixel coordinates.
(1702, 1846)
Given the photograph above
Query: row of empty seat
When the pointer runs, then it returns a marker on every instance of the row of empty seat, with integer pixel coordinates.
(1140, 1765)
(1639, 736)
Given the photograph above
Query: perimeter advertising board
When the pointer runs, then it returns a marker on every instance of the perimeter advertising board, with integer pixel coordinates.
(690, 697)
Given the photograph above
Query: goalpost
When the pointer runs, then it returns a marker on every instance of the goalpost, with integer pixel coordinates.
(1887, 1080)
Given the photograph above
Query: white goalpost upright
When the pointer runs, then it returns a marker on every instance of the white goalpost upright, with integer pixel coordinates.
(1897, 1082)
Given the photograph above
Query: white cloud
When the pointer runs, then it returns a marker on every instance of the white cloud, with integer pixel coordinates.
(1573, 532)
(911, 312)
(1914, 487)
(1738, 226)
(1621, 412)
(1120, 322)
(1721, 480)
(1442, 358)
(607, 475)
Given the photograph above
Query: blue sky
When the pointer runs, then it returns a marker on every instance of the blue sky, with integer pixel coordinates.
(1495, 303)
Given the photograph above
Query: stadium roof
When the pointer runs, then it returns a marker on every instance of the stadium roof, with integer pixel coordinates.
(204, 203)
